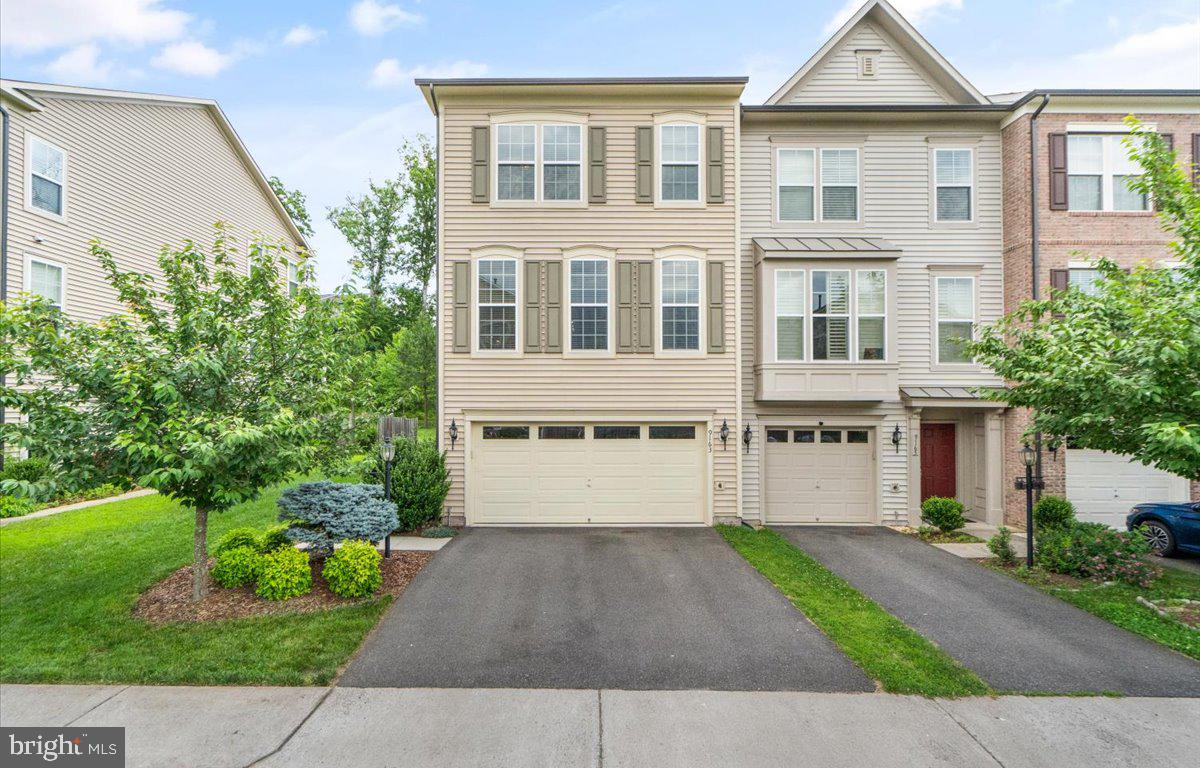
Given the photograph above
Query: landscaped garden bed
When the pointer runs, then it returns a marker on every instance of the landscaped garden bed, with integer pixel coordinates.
(171, 599)
(933, 535)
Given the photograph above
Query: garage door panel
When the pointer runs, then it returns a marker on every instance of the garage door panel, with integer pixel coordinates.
(1104, 486)
(819, 482)
(547, 481)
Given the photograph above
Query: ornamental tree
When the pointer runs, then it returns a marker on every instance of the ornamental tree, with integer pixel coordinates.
(207, 388)
(1118, 370)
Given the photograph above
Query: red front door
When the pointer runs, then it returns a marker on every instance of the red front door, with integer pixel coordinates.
(938, 469)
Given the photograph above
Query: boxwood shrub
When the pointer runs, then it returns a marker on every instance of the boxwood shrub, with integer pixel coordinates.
(944, 514)
(1052, 512)
(235, 538)
(353, 570)
(237, 566)
(284, 574)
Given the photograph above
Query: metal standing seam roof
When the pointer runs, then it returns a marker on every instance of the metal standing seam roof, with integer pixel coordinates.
(826, 244)
(944, 393)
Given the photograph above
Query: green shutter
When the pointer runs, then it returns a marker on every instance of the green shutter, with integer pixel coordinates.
(644, 293)
(462, 306)
(716, 307)
(625, 338)
(480, 148)
(597, 170)
(533, 302)
(716, 164)
(644, 159)
(553, 306)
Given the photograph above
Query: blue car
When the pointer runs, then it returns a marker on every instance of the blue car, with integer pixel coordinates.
(1169, 528)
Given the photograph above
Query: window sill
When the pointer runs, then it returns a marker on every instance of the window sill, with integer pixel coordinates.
(529, 205)
(61, 218)
(684, 204)
(825, 225)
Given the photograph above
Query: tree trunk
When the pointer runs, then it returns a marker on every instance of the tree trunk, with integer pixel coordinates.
(200, 556)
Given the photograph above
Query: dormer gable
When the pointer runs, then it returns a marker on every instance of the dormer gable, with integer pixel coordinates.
(877, 57)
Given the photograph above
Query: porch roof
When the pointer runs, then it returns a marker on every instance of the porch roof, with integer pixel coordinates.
(946, 397)
(827, 247)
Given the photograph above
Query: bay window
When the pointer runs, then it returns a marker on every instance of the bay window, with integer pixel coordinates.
(828, 314)
(789, 314)
(496, 301)
(831, 314)
(872, 314)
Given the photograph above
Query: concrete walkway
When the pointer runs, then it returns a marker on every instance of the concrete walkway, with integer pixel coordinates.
(433, 727)
(48, 511)
(1013, 636)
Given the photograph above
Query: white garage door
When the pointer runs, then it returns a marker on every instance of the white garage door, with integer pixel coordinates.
(818, 475)
(588, 474)
(1103, 486)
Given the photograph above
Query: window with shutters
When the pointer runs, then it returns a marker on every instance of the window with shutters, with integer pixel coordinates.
(1099, 172)
(680, 301)
(831, 314)
(562, 158)
(816, 184)
(954, 303)
(539, 161)
(954, 184)
(47, 177)
(516, 162)
(496, 302)
(46, 279)
(589, 297)
(679, 162)
(1085, 279)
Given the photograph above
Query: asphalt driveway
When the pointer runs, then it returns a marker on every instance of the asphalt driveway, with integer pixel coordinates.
(1013, 636)
(612, 608)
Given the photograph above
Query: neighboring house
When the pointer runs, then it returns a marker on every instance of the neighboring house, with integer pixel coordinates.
(1084, 211)
(660, 306)
(136, 171)
(587, 289)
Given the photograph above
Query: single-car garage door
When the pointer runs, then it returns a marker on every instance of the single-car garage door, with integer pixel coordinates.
(587, 474)
(819, 475)
(1103, 486)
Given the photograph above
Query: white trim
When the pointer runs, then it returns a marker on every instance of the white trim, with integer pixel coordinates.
(858, 195)
(497, 163)
(1112, 150)
(30, 139)
(580, 255)
(684, 255)
(680, 121)
(803, 314)
(971, 202)
(1117, 127)
(539, 121)
(858, 314)
(937, 319)
(516, 305)
(810, 305)
(818, 149)
(778, 185)
(62, 272)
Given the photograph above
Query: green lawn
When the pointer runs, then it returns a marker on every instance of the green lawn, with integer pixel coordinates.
(68, 583)
(883, 646)
(1118, 604)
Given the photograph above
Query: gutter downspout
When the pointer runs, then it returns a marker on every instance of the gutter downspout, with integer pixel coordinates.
(1033, 247)
(3, 249)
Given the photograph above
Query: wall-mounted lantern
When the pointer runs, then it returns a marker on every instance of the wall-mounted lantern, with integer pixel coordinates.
(724, 434)
(747, 436)
(453, 433)
(896, 438)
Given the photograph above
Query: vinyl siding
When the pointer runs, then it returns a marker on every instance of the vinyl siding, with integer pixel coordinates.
(704, 382)
(896, 198)
(836, 81)
(139, 175)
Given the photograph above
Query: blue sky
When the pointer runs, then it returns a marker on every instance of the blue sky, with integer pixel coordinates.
(322, 91)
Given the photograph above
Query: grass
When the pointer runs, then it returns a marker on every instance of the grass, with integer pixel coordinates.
(1117, 603)
(68, 583)
(934, 536)
(900, 659)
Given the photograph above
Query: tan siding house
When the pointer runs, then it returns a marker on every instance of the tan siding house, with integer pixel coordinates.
(135, 171)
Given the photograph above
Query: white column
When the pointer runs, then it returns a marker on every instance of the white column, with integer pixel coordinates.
(913, 449)
(994, 455)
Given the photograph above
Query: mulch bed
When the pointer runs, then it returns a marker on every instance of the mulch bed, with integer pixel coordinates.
(170, 600)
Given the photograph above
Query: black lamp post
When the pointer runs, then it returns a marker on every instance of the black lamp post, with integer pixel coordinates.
(387, 452)
(1029, 483)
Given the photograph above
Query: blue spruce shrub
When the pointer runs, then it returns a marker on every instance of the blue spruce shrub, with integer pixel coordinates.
(324, 513)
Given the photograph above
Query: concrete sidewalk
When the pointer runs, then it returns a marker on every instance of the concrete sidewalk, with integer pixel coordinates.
(302, 727)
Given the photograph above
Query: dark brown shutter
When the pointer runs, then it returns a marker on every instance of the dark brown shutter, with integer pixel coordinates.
(1058, 171)
(644, 164)
(1169, 140)
(461, 290)
(533, 302)
(716, 164)
(597, 170)
(553, 306)
(1196, 160)
(644, 293)
(480, 148)
(1060, 281)
(716, 307)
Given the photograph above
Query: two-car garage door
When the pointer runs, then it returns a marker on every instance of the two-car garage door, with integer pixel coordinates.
(587, 474)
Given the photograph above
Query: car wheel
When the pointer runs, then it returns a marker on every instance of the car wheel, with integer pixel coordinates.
(1159, 537)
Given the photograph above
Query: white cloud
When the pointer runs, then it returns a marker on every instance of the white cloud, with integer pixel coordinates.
(302, 34)
(1166, 57)
(80, 65)
(193, 58)
(372, 19)
(389, 74)
(28, 26)
(766, 74)
(915, 11)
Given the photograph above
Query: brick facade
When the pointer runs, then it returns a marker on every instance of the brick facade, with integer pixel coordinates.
(1064, 236)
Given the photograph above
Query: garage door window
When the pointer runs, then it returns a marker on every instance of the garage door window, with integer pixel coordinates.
(830, 437)
(776, 435)
(858, 436)
(672, 433)
(560, 433)
(506, 433)
(803, 436)
(617, 433)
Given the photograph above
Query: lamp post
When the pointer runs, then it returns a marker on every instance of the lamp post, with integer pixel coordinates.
(1029, 483)
(387, 452)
